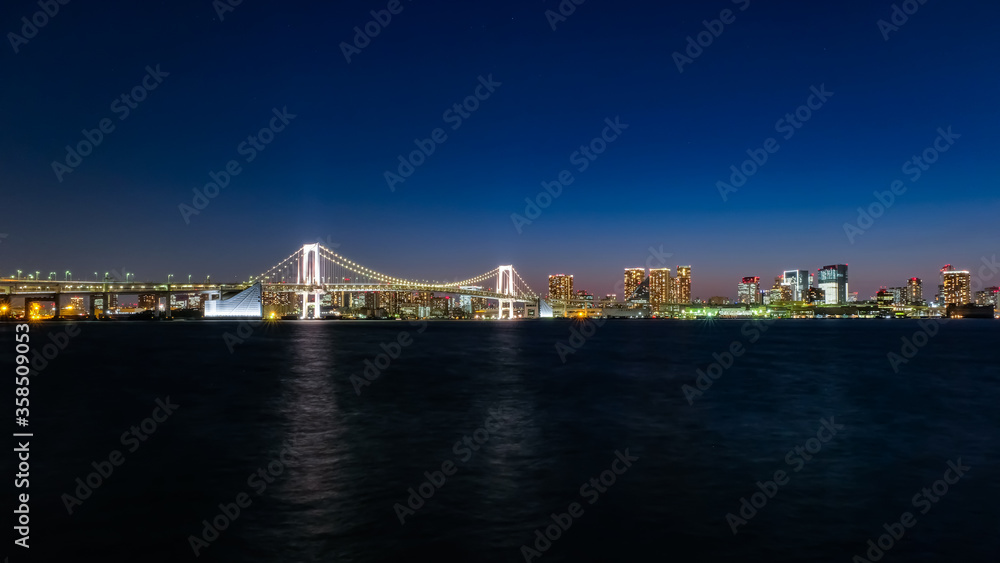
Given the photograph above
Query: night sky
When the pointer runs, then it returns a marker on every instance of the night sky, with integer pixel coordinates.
(322, 178)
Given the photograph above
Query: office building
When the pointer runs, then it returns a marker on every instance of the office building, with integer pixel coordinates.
(899, 295)
(748, 291)
(659, 286)
(833, 282)
(956, 286)
(798, 282)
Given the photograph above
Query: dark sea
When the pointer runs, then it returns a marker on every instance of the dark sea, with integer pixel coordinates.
(512, 441)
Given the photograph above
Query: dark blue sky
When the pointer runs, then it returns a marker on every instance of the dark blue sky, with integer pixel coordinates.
(322, 177)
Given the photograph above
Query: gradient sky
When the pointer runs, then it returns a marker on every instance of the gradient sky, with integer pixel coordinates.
(321, 179)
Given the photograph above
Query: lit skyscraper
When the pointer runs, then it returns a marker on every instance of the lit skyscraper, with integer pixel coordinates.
(682, 293)
(659, 286)
(957, 284)
(833, 282)
(748, 291)
(633, 279)
(914, 291)
(560, 287)
(798, 281)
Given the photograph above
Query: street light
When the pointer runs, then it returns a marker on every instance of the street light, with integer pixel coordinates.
(168, 277)
(189, 279)
(19, 274)
(68, 275)
(96, 278)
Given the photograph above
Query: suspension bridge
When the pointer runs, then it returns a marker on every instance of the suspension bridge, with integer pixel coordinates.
(310, 272)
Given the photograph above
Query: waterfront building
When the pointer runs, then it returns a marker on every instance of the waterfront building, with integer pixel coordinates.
(816, 295)
(682, 294)
(584, 299)
(988, 297)
(659, 287)
(798, 282)
(633, 279)
(914, 291)
(148, 301)
(833, 282)
(748, 291)
(956, 286)
(560, 287)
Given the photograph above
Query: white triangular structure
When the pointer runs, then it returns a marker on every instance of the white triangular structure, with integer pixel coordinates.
(245, 304)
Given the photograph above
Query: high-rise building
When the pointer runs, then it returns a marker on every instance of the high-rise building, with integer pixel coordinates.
(914, 291)
(683, 284)
(748, 291)
(899, 295)
(957, 284)
(633, 279)
(782, 292)
(988, 297)
(833, 282)
(584, 298)
(798, 282)
(659, 286)
(560, 287)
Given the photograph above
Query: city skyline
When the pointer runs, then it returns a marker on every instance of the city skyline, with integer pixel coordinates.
(983, 274)
(336, 126)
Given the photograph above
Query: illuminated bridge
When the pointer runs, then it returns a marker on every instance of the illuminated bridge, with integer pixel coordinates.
(309, 272)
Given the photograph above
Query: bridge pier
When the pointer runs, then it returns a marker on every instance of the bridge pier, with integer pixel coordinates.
(314, 305)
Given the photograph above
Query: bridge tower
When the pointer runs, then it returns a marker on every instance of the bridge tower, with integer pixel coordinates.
(309, 275)
(505, 287)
